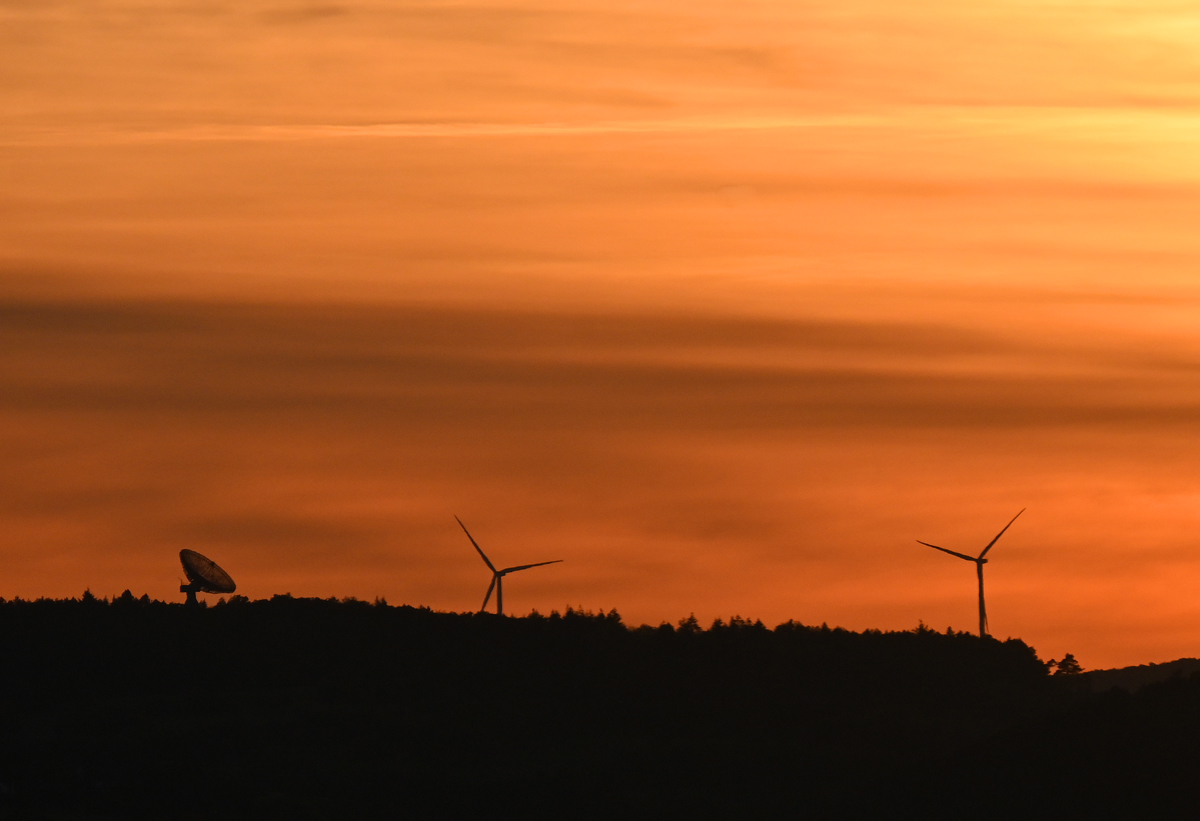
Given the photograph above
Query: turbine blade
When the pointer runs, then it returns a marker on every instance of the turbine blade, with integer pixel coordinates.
(488, 597)
(486, 560)
(951, 552)
(998, 535)
(527, 566)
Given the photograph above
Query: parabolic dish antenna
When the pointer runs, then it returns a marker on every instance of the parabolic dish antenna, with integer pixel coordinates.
(204, 576)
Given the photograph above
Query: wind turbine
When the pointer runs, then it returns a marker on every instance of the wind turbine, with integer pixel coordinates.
(497, 575)
(980, 561)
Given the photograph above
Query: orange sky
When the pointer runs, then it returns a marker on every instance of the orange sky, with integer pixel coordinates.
(725, 304)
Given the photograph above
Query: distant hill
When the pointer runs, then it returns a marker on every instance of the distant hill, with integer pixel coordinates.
(1134, 678)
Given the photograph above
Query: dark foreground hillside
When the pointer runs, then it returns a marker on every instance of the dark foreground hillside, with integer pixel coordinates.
(305, 708)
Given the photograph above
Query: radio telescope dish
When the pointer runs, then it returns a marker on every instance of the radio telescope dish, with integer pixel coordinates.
(204, 576)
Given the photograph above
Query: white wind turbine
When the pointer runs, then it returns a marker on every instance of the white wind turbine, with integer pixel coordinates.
(497, 575)
(980, 561)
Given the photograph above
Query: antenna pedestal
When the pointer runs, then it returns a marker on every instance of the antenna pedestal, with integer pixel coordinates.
(190, 589)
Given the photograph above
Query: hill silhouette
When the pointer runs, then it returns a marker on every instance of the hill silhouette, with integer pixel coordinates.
(320, 708)
(1134, 678)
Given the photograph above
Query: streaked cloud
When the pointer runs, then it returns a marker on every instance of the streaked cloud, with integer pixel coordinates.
(725, 304)
(324, 449)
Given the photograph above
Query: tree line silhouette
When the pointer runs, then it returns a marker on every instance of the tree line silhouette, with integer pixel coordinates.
(294, 707)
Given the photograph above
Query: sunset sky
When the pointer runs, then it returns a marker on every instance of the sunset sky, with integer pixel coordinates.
(725, 304)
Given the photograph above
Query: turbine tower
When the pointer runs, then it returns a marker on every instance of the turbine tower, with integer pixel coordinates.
(497, 575)
(980, 561)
